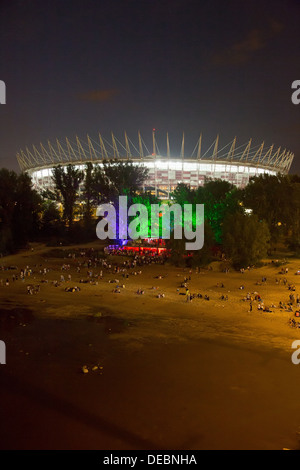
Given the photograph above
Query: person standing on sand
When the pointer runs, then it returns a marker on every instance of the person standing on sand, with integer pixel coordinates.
(188, 295)
(250, 308)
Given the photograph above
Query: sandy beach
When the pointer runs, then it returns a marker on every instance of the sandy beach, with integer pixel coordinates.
(161, 373)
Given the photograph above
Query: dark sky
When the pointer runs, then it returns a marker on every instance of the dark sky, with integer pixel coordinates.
(75, 67)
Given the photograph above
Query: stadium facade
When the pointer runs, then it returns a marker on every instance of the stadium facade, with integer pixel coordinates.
(232, 162)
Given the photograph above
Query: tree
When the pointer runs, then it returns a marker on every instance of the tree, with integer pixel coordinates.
(19, 210)
(27, 210)
(220, 198)
(104, 183)
(245, 239)
(204, 256)
(8, 182)
(294, 222)
(275, 198)
(67, 181)
(147, 199)
(125, 178)
(183, 194)
(88, 195)
(180, 256)
(51, 224)
(97, 186)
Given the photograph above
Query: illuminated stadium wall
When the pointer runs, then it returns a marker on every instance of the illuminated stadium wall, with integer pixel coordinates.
(232, 163)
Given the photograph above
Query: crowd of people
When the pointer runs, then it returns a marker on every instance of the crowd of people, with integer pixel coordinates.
(85, 261)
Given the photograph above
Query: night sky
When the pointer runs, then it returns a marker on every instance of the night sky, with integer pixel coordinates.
(75, 67)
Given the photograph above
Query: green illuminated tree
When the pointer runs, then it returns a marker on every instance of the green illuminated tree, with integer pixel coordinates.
(245, 239)
(147, 199)
(220, 198)
(183, 194)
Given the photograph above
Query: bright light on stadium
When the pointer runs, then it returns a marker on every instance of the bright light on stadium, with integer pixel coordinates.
(231, 162)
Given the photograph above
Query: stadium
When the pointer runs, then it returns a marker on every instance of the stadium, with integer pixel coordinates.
(232, 162)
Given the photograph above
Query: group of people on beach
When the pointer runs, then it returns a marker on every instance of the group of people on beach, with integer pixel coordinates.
(96, 268)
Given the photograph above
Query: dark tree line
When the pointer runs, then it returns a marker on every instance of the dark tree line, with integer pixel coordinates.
(27, 215)
(242, 223)
(20, 206)
(276, 199)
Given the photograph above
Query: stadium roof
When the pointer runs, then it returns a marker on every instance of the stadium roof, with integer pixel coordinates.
(91, 150)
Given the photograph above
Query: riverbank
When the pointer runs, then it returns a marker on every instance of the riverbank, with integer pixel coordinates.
(161, 373)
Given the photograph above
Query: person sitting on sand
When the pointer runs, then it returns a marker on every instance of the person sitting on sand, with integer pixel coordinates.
(72, 289)
(294, 323)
